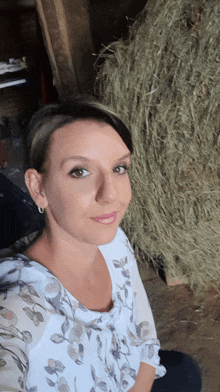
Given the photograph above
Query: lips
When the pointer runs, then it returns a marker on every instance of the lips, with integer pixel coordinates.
(106, 219)
(106, 216)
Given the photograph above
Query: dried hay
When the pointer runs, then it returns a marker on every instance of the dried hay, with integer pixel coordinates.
(164, 82)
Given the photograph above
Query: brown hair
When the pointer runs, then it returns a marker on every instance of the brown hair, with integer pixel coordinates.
(54, 116)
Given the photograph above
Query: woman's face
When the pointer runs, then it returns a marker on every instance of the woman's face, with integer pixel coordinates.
(86, 178)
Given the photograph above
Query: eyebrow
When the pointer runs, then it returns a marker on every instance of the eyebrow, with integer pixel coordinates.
(84, 159)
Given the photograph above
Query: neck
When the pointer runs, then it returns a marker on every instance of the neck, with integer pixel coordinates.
(68, 254)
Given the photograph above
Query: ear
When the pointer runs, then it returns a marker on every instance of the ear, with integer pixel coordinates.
(34, 183)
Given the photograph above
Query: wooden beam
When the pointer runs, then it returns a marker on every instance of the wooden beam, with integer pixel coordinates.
(66, 30)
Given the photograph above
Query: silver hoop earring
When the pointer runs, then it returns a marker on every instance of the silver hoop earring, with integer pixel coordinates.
(41, 210)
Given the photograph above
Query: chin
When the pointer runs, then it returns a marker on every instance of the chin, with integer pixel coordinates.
(103, 238)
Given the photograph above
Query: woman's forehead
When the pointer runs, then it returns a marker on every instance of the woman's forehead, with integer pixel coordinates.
(84, 132)
(88, 137)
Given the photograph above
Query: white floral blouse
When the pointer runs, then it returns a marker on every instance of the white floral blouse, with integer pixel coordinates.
(50, 342)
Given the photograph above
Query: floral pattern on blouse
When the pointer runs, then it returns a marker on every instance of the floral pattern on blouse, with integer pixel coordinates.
(49, 341)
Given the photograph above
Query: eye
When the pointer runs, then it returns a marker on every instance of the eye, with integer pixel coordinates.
(79, 172)
(121, 169)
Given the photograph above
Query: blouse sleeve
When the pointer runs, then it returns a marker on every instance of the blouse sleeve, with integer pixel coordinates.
(13, 348)
(145, 326)
(20, 327)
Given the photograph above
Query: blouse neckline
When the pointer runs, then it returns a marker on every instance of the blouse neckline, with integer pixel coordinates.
(114, 299)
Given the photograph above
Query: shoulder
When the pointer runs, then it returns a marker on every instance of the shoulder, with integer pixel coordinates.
(10, 263)
(26, 279)
(21, 282)
(24, 307)
(119, 247)
(16, 269)
(122, 239)
(23, 316)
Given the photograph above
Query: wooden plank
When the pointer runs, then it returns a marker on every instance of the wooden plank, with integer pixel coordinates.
(66, 31)
(48, 43)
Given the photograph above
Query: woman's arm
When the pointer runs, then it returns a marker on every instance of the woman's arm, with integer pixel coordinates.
(144, 379)
(146, 331)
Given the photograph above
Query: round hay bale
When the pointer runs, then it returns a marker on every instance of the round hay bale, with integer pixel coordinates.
(164, 82)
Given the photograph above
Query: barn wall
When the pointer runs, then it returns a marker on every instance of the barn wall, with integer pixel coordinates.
(67, 39)
(20, 35)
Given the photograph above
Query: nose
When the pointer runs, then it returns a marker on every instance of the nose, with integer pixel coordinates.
(106, 191)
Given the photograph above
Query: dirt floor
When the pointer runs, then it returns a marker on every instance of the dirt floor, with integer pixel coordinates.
(186, 323)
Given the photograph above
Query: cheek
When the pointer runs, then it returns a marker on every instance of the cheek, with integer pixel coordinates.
(69, 203)
(57, 196)
(126, 192)
(129, 195)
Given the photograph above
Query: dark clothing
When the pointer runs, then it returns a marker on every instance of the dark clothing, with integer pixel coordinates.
(183, 373)
(19, 215)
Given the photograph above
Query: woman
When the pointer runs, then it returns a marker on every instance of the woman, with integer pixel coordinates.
(74, 313)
